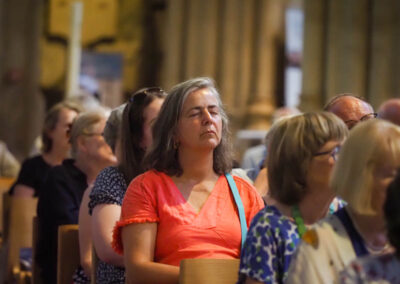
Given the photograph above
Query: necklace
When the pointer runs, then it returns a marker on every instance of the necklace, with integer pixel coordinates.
(298, 220)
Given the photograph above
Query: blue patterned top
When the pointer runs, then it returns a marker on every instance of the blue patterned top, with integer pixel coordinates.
(270, 244)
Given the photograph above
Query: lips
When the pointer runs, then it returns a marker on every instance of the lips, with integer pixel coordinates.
(208, 132)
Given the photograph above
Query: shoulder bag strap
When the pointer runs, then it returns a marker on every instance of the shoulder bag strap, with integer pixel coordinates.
(239, 205)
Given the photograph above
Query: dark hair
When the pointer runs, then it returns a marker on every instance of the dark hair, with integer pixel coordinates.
(132, 131)
(392, 213)
(51, 120)
(163, 156)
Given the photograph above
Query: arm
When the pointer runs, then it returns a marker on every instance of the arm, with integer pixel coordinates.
(103, 220)
(139, 244)
(22, 190)
(85, 234)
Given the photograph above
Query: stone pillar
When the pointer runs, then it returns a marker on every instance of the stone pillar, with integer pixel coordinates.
(21, 107)
(347, 47)
(173, 40)
(384, 74)
(269, 37)
(314, 55)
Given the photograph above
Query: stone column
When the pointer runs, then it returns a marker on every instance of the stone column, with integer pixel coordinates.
(314, 55)
(384, 74)
(269, 36)
(347, 47)
(21, 107)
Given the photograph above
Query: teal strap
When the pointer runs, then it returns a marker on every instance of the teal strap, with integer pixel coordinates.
(239, 205)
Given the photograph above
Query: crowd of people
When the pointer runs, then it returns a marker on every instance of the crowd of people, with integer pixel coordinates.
(154, 183)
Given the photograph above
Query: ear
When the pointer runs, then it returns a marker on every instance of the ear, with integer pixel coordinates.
(81, 144)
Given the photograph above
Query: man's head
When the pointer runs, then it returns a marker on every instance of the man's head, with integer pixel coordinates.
(390, 110)
(351, 109)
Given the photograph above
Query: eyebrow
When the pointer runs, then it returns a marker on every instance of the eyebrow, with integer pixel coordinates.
(200, 108)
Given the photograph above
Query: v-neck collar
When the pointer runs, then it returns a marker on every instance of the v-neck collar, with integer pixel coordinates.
(187, 204)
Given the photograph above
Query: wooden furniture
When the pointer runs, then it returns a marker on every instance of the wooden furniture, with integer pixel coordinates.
(20, 232)
(5, 184)
(67, 253)
(210, 271)
(95, 263)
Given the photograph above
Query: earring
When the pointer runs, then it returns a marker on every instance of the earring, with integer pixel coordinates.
(176, 145)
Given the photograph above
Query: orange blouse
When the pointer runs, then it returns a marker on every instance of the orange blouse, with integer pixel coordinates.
(182, 233)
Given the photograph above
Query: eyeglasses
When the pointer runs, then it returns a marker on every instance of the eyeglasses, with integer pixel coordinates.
(334, 153)
(351, 123)
(141, 94)
(93, 134)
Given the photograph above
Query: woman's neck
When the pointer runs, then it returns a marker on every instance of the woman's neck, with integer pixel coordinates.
(88, 169)
(371, 228)
(197, 165)
(54, 157)
(314, 206)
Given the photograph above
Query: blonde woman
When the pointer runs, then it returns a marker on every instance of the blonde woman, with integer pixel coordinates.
(367, 164)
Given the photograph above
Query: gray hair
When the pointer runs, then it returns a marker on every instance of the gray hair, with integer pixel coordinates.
(163, 155)
(83, 125)
(113, 125)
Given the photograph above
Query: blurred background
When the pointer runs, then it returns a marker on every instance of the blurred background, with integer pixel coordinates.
(263, 54)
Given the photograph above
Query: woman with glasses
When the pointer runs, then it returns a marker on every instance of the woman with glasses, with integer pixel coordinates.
(302, 152)
(367, 164)
(56, 147)
(183, 207)
(131, 137)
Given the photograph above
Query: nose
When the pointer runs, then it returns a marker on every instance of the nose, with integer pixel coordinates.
(207, 117)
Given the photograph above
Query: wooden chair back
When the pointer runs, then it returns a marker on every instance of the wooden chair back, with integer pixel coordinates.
(210, 271)
(20, 231)
(5, 184)
(67, 253)
(36, 278)
(95, 263)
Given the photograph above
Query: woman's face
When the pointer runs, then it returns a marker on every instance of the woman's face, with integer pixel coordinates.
(321, 165)
(382, 177)
(96, 148)
(200, 124)
(150, 114)
(59, 135)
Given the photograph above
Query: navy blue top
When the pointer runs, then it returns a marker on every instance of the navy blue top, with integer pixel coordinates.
(59, 202)
(33, 173)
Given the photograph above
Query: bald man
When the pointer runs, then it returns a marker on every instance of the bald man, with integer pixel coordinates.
(350, 108)
(390, 110)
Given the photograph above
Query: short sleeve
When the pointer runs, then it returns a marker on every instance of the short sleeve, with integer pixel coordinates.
(109, 188)
(259, 252)
(27, 174)
(139, 206)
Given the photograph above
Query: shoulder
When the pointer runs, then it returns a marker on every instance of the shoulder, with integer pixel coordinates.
(110, 174)
(109, 179)
(244, 186)
(150, 178)
(33, 161)
(271, 219)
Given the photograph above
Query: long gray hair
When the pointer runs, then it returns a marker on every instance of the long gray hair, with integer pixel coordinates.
(163, 156)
